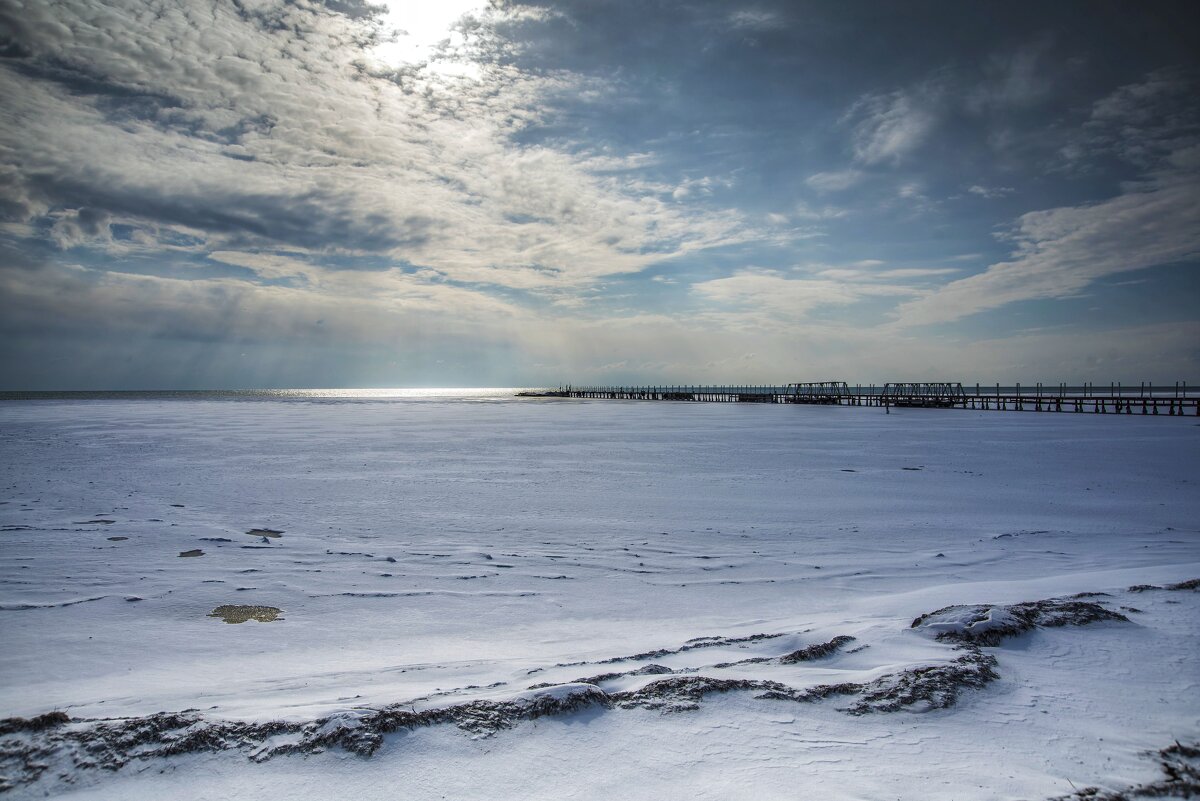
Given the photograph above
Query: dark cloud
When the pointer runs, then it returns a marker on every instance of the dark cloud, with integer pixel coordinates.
(81, 227)
(241, 219)
(1141, 122)
(355, 9)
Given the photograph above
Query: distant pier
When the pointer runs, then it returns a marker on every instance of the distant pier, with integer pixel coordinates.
(1113, 399)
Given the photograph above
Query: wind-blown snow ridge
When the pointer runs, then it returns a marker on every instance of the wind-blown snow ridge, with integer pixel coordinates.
(30, 747)
(23, 607)
(691, 645)
(1190, 584)
(990, 625)
(1180, 765)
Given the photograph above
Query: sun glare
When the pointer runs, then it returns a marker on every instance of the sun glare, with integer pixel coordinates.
(418, 29)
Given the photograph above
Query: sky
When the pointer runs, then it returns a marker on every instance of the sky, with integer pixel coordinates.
(257, 193)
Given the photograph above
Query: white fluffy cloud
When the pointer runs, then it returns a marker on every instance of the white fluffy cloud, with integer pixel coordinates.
(1059, 252)
(890, 126)
(770, 295)
(836, 181)
(990, 192)
(271, 127)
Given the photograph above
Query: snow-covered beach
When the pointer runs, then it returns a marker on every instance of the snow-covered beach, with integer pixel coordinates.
(486, 597)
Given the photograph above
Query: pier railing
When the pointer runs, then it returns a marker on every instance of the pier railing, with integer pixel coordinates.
(1144, 399)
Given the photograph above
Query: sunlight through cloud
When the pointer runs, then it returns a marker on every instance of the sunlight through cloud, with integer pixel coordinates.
(416, 32)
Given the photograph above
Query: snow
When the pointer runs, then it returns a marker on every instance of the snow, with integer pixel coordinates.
(440, 551)
(972, 621)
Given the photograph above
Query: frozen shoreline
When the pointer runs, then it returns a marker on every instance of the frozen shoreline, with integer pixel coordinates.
(428, 549)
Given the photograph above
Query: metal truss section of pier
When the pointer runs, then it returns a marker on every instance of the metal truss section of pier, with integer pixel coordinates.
(940, 395)
(820, 392)
(1114, 399)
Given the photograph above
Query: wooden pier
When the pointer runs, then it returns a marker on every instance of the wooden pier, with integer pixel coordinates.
(1114, 399)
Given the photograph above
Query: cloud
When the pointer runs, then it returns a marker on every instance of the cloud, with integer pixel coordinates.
(1059, 252)
(808, 213)
(1014, 79)
(267, 265)
(990, 192)
(755, 19)
(19, 203)
(259, 173)
(838, 181)
(353, 308)
(889, 126)
(703, 186)
(1141, 123)
(288, 336)
(273, 128)
(75, 227)
(768, 294)
(1165, 350)
(897, 274)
